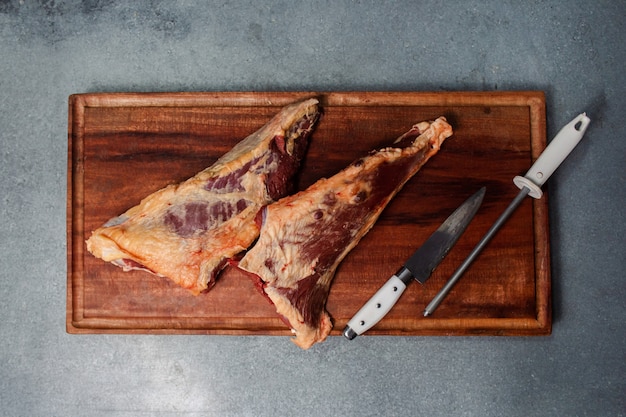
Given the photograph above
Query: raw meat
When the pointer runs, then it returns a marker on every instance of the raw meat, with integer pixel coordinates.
(304, 237)
(187, 232)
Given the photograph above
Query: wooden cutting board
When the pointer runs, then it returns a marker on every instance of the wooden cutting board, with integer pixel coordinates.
(123, 147)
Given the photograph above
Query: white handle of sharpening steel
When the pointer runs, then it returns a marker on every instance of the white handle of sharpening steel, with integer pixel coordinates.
(554, 154)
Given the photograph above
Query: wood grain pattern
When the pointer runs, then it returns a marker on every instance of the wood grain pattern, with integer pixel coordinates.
(124, 146)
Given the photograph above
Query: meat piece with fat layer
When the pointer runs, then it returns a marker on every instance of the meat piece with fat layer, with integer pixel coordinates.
(188, 231)
(305, 236)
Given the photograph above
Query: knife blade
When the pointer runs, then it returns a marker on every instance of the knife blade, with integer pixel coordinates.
(419, 267)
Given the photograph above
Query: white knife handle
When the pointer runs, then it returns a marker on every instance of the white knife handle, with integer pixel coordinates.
(554, 154)
(376, 308)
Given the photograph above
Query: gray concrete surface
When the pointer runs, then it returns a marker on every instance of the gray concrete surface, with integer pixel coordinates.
(573, 50)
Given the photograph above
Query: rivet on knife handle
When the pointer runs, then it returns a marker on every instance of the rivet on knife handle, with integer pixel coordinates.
(530, 184)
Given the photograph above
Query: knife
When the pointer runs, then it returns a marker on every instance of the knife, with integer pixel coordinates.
(419, 267)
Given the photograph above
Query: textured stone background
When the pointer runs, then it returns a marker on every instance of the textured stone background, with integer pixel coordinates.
(573, 50)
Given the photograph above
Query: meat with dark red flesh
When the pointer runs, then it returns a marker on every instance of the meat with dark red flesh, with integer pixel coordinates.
(188, 231)
(304, 237)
